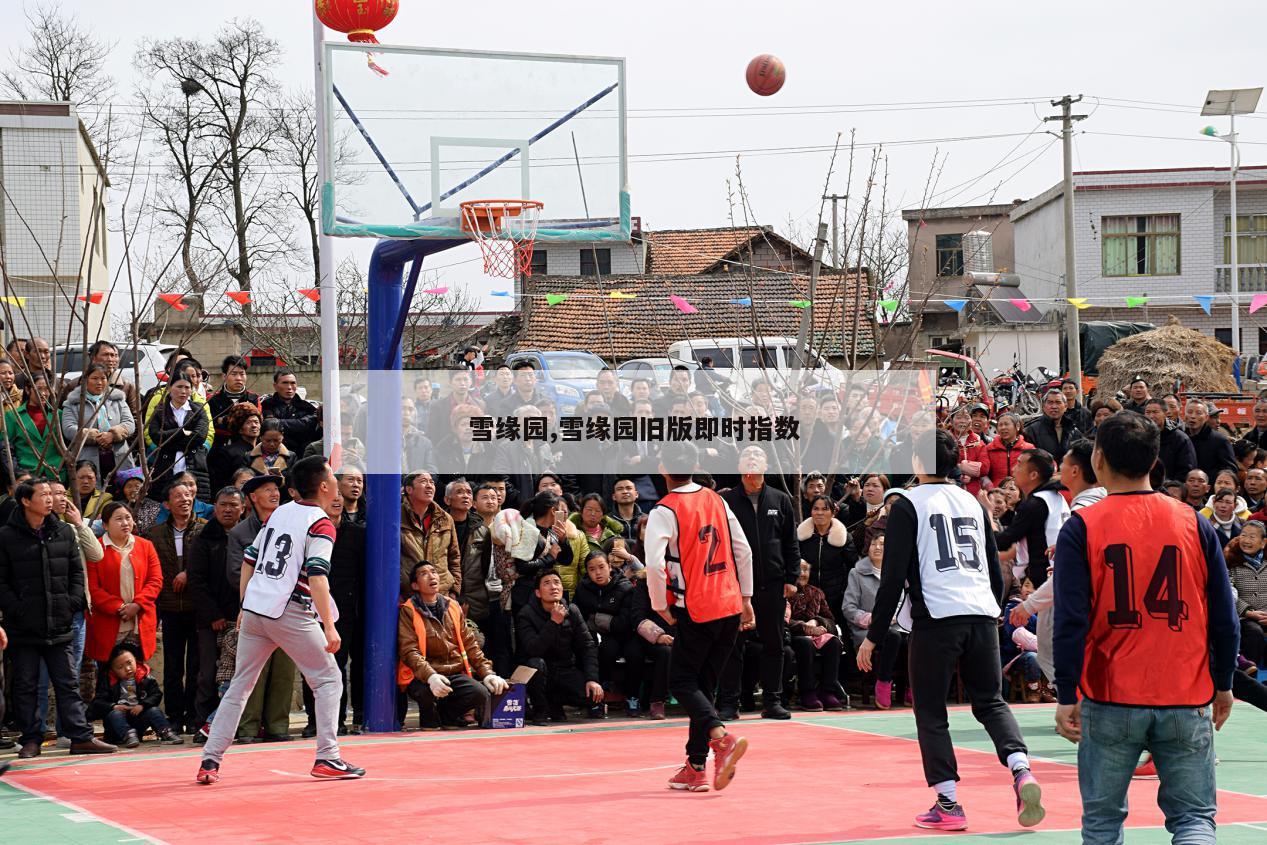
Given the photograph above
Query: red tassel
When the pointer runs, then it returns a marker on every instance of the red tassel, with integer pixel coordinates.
(374, 66)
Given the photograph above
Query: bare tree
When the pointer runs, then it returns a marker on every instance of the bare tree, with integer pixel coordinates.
(233, 74)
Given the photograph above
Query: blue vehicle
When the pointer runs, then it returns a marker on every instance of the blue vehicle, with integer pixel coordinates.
(563, 376)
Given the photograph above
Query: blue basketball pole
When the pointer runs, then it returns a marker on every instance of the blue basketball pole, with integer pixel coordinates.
(388, 309)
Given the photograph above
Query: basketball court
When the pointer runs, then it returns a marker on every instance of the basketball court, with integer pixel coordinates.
(826, 778)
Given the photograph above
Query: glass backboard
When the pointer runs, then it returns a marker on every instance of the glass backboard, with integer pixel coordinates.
(441, 127)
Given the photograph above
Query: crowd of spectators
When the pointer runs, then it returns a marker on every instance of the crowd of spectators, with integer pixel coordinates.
(126, 517)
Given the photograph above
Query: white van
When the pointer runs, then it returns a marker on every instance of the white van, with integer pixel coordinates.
(747, 353)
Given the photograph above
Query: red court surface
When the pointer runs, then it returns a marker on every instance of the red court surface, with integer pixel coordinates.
(532, 787)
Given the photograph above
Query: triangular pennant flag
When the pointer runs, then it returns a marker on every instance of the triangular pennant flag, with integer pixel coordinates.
(957, 304)
(436, 291)
(174, 300)
(1021, 304)
(312, 293)
(1259, 300)
(620, 294)
(1079, 302)
(1136, 301)
(555, 298)
(799, 303)
(889, 305)
(682, 305)
(742, 300)
(1204, 300)
(94, 298)
(501, 293)
(241, 297)
(19, 301)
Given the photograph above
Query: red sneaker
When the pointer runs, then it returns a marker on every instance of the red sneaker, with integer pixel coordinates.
(208, 772)
(726, 753)
(689, 779)
(1146, 769)
(335, 770)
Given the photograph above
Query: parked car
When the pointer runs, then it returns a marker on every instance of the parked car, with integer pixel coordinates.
(657, 370)
(563, 376)
(773, 354)
(144, 362)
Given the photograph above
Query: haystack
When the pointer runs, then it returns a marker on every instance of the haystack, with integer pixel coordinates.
(1165, 355)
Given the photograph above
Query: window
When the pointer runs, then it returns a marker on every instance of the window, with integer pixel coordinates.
(538, 266)
(751, 357)
(721, 357)
(596, 262)
(1143, 245)
(1251, 245)
(950, 255)
(1223, 336)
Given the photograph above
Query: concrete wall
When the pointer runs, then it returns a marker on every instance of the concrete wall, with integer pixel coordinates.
(995, 349)
(564, 259)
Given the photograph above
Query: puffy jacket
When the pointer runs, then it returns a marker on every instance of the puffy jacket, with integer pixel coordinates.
(609, 599)
(1042, 433)
(770, 529)
(209, 590)
(32, 449)
(972, 449)
(438, 544)
(1001, 458)
(117, 419)
(104, 590)
(829, 557)
(567, 643)
(42, 582)
(864, 583)
(443, 652)
(148, 694)
(163, 536)
(156, 397)
(347, 569)
(610, 528)
(225, 459)
(300, 422)
(170, 439)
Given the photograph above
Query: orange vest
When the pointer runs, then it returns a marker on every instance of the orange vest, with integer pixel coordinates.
(1148, 644)
(703, 575)
(403, 673)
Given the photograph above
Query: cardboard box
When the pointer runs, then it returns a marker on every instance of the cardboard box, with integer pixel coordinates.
(510, 709)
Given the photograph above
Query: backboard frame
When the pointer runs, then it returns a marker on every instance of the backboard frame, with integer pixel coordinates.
(444, 222)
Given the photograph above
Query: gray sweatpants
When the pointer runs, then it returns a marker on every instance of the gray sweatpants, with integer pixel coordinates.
(298, 633)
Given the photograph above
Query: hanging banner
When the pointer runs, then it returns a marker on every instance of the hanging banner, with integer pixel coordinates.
(682, 305)
(1079, 302)
(312, 293)
(241, 297)
(555, 298)
(174, 300)
(957, 304)
(1204, 300)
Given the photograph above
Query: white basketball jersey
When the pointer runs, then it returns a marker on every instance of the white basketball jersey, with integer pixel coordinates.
(950, 541)
(280, 550)
(1057, 513)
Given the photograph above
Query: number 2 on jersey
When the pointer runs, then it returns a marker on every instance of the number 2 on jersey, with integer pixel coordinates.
(1162, 599)
(712, 536)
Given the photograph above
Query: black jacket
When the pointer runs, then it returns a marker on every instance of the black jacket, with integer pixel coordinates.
(171, 439)
(1214, 451)
(347, 570)
(610, 599)
(1177, 454)
(521, 465)
(566, 644)
(148, 694)
(1029, 526)
(830, 558)
(300, 422)
(522, 592)
(1042, 433)
(213, 597)
(1256, 436)
(221, 403)
(628, 527)
(225, 459)
(771, 532)
(638, 609)
(41, 580)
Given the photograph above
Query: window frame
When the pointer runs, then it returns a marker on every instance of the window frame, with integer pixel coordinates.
(1150, 239)
(541, 257)
(938, 250)
(597, 257)
(1242, 234)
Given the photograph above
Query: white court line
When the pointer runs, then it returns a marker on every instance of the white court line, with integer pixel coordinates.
(139, 836)
(496, 777)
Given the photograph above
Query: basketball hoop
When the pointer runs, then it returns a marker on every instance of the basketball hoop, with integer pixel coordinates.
(505, 231)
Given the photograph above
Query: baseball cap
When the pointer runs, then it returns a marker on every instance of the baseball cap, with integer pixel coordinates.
(979, 406)
(1212, 409)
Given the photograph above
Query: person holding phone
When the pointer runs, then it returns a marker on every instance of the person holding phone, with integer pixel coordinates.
(555, 641)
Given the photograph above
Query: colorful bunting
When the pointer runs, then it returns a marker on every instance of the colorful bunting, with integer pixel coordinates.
(1021, 304)
(620, 294)
(19, 301)
(94, 298)
(1078, 302)
(1136, 301)
(555, 298)
(745, 301)
(241, 297)
(174, 300)
(889, 305)
(957, 304)
(312, 293)
(1259, 300)
(436, 291)
(682, 305)
(799, 303)
(1204, 300)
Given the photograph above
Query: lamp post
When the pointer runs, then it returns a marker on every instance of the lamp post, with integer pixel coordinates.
(1232, 102)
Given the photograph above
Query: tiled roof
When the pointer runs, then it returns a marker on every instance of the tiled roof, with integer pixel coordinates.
(685, 252)
(646, 325)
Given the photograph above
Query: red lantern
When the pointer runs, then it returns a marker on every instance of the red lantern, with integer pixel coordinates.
(359, 19)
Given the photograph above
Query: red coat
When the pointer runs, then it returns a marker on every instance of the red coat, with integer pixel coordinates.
(1002, 459)
(972, 449)
(103, 586)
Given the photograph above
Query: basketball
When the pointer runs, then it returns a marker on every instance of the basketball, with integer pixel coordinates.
(765, 74)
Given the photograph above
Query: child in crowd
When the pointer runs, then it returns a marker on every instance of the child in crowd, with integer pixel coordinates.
(127, 700)
(622, 560)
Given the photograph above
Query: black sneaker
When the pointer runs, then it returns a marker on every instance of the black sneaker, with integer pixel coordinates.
(598, 711)
(309, 731)
(776, 711)
(335, 770)
(727, 714)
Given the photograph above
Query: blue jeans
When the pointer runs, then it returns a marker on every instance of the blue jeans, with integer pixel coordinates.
(80, 629)
(1182, 744)
(117, 723)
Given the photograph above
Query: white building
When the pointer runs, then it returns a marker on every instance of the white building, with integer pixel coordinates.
(1163, 234)
(52, 224)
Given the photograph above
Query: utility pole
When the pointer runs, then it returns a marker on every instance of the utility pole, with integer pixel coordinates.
(807, 314)
(1072, 320)
(835, 228)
